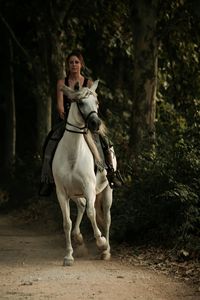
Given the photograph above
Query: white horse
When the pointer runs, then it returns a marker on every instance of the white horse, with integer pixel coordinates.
(74, 175)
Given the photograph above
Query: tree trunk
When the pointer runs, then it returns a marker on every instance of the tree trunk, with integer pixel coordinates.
(44, 103)
(56, 65)
(145, 75)
(44, 108)
(10, 115)
(51, 70)
(52, 49)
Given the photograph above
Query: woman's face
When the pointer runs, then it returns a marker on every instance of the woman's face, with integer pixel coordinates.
(74, 64)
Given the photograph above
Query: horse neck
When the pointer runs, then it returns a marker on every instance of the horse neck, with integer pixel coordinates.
(75, 140)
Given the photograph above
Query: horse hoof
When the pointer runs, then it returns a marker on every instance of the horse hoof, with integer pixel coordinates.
(102, 243)
(105, 256)
(78, 239)
(68, 262)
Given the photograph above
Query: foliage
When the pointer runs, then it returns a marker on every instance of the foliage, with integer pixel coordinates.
(162, 203)
(179, 54)
(17, 190)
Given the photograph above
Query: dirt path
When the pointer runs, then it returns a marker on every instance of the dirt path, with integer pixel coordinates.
(31, 268)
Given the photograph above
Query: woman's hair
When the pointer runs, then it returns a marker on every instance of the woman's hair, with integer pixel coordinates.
(78, 54)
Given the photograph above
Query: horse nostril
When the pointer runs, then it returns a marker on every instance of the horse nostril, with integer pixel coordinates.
(94, 124)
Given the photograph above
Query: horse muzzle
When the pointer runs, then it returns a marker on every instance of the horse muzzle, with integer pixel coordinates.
(93, 122)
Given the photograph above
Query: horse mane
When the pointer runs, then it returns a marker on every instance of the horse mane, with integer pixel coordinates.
(92, 145)
(103, 130)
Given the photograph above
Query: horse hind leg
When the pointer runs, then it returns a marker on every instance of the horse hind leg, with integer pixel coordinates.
(91, 213)
(106, 206)
(106, 255)
(76, 233)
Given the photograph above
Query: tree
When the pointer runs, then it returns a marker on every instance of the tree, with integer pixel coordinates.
(10, 111)
(8, 94)
(49, 58)
(144, 80)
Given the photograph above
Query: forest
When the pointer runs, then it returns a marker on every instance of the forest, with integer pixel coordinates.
(146, 56)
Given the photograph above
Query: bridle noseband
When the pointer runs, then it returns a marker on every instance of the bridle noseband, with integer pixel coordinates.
(84, 129)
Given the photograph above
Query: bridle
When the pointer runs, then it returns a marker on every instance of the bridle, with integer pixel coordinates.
(84, 129)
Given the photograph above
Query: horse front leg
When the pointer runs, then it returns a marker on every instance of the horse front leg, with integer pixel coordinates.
(76, 233)
(67, 226)
(91, 213)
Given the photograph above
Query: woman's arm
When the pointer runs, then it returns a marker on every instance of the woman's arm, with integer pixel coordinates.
(60, 102)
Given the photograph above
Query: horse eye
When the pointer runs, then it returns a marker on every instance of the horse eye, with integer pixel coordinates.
(80, 103)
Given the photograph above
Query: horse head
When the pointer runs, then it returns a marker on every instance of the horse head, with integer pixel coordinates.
(87, 104)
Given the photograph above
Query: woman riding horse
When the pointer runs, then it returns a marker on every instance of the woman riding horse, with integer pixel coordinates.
(74, 174)
(75, 64)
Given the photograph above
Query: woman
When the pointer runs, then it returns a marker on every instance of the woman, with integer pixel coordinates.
(75, 64)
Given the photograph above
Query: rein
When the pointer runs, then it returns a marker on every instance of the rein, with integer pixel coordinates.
(85, 128)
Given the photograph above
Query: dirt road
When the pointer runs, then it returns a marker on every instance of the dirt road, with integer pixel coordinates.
(31, 268)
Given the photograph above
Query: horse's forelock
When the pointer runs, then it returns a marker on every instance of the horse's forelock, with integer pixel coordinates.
(77, 95)
(83, 93)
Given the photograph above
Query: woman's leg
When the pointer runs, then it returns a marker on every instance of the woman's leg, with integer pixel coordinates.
(114, 177)
(49, 149)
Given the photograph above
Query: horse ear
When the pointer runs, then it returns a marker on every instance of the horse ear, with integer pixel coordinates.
(69, 92)
(95, 85)
(65, 89)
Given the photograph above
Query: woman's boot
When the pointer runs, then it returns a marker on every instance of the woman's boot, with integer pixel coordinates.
(114, 178)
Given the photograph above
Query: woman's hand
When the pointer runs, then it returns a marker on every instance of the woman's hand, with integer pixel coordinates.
(61, 113)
